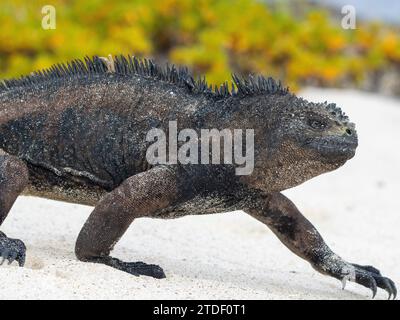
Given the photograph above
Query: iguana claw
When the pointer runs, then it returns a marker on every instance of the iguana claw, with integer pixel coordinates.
(344, 281)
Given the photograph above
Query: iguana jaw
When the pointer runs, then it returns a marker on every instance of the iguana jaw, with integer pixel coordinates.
(334, 148)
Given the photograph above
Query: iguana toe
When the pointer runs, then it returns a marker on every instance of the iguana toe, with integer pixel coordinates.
(135, 268)
(367, 268)
(12, 250)
(367, 280)
(141, 268)
(388, 285)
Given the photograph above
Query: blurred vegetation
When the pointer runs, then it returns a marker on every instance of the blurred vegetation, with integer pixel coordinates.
(211, 37)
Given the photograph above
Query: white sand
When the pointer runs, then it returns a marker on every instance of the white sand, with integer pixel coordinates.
(231, 256)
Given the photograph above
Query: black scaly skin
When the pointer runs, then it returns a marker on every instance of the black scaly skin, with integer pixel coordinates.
(77, 132)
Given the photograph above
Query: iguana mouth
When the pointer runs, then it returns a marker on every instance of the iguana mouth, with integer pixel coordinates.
(334, 148)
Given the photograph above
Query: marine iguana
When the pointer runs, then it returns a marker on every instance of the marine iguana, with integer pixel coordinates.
(76, 132)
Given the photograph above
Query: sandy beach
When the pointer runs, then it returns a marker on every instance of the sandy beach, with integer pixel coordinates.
(231, 255)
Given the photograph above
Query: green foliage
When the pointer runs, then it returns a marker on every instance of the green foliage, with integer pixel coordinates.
(211, 37)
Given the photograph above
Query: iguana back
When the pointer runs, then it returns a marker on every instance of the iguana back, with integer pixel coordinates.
(83, 128)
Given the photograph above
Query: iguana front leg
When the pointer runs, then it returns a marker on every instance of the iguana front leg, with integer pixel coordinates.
(301, 237)
(138, 196)
(14, 177)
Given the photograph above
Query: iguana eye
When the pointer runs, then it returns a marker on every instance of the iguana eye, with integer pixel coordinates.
(317, 124)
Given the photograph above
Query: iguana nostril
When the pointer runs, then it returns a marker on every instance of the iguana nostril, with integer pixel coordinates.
(349, 132)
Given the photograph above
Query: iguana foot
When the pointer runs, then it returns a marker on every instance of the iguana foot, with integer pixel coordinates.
(366, 276)
(11, 250)
(141, 268)
(135, 268)
(371, 277)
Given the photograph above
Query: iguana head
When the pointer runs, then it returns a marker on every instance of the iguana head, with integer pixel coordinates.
(318, 131)
(299, 140)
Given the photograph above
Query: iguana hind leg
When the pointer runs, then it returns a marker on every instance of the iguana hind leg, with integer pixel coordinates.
(138, 196)
(301, 237)
(14, 178)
